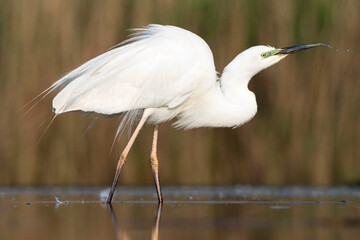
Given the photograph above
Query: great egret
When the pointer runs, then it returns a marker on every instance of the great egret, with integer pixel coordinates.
(166, 72)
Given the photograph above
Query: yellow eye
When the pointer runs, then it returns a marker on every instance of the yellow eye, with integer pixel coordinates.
(263, 55)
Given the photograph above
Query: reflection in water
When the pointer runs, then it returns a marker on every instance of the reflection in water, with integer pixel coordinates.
(155, 229)
(121, 234)
(328, 214)
(116, 224)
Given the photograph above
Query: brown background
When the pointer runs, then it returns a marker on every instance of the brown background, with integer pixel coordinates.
(306, 130)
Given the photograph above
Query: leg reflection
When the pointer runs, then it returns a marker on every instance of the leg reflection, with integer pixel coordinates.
(121, 234)
(155, 229)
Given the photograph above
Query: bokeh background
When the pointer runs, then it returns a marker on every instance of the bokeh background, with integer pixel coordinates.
(306, 132)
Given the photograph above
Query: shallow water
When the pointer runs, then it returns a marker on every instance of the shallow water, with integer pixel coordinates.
(238, 212)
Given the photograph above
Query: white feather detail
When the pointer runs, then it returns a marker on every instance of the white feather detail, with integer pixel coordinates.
(157, 67)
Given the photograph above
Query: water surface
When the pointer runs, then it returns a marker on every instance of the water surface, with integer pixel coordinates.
(238, 212)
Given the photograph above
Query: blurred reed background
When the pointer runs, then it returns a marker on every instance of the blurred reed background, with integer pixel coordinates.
(306, 131)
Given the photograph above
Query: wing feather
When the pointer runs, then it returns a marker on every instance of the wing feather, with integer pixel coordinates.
(159, 66)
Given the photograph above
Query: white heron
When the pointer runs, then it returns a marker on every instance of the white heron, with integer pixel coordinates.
(164, 73)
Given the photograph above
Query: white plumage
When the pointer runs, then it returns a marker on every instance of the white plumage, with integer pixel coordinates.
(166, 72)
(142, 74)
(165, 68)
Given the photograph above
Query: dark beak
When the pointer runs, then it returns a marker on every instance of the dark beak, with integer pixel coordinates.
(293, 49)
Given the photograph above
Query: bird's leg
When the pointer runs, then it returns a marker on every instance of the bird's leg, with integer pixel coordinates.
(155, 164)
(123, 155)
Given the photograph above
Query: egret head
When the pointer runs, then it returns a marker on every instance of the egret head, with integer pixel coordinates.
(258, 58)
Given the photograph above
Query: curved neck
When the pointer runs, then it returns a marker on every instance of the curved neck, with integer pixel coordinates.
(228, 104)
(214, 109)
(234, 83)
